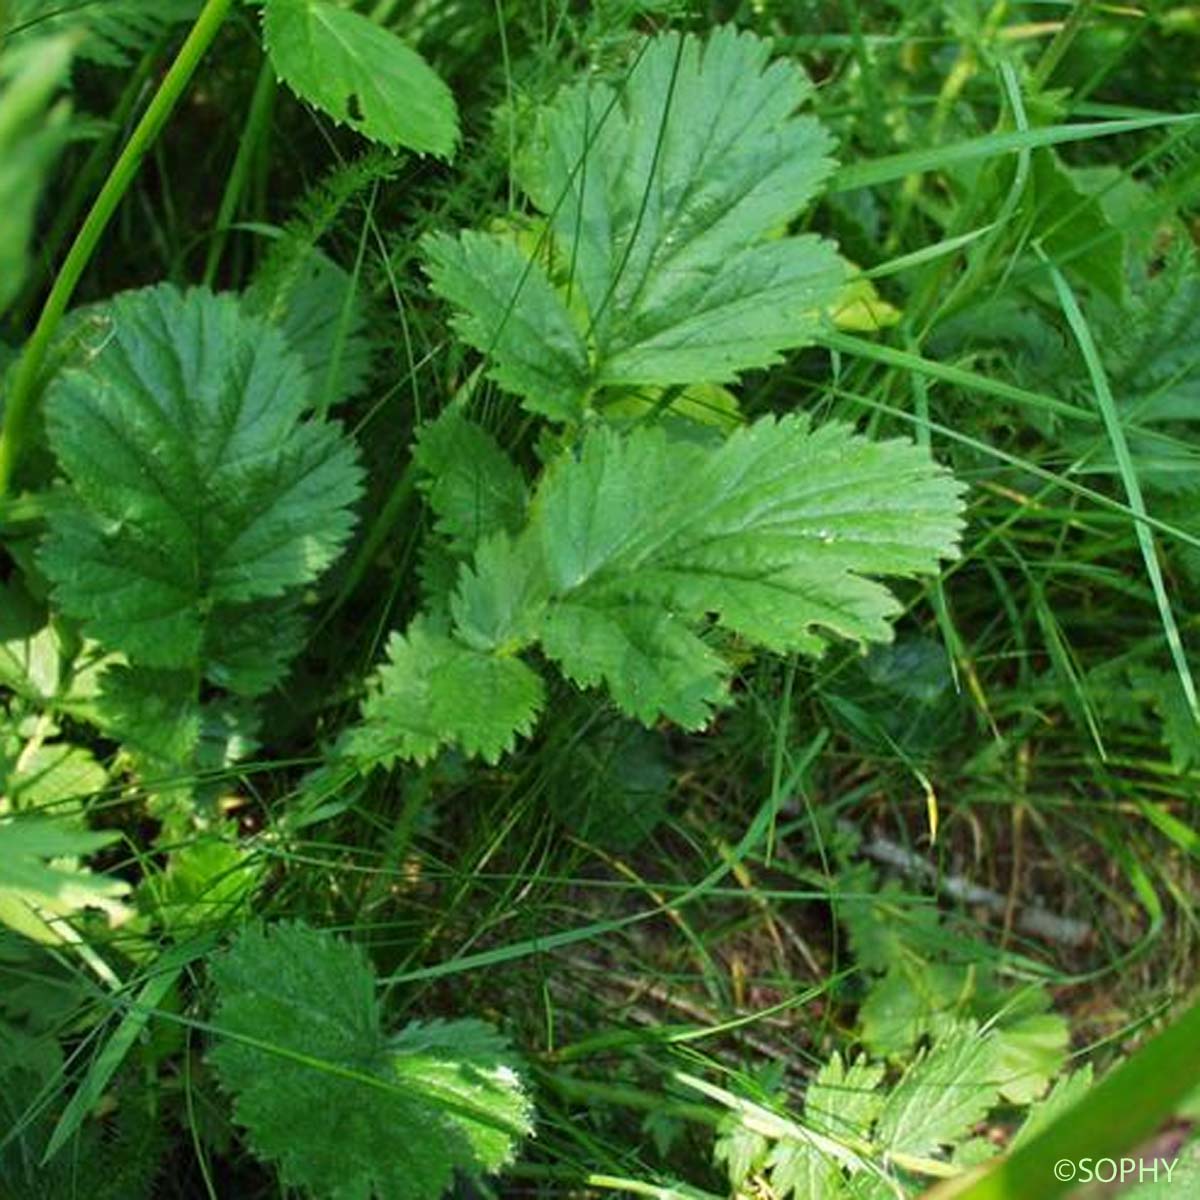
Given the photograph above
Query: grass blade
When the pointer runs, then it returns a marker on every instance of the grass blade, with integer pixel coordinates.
(1126, 1107)
(1129, 478)
(936, 158)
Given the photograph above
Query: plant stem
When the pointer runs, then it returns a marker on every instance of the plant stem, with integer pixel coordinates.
(82, 185)
(1053, 54)
(370, 546)
(27, 383)
(257, 121)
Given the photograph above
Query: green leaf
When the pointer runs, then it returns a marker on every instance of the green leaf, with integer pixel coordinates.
(799, 1169)
(1062, 1097)
(196, 488)
(1032, 1051)
(887, 924)
(55, 776)
(941, 1095)
(844, 1101)
(471, 484)
(681, 409)
(740, 1150)
(30, 664)
(360, 75)
(774, 532)
(324, 321)
(205, 882)
(511, 312)
(1127, 1106)
(635, 543)
(343, 1109)
(1073, 227)
(612, 785)
(1150, 345)
(649, 660)
(40, 876)
(909, 1001)
(434, 691)
(33, 128)
(154, 715)
(665, 195)
(179, 748)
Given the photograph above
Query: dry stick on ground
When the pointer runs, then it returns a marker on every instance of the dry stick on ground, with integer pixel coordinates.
(1031, 919)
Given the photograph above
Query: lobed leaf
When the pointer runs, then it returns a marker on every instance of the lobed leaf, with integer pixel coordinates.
(635, 544)
(471, 484)
(511, 312)
(41, 879)
(665, 196)
(941, 1095)
(434, 691)
(196, 488)
(346, 1111)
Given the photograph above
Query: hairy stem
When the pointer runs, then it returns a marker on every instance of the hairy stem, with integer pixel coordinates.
(27, 383)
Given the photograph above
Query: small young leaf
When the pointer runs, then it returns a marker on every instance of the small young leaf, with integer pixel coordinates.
(471, 484)
(941, 1095)
(361, 75)
(1032, 1051)
(205, 882)
(346, 1111)
(434, 691)
(1062, 1097)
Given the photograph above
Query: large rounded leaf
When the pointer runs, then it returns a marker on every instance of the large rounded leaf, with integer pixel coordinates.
(197, 488)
